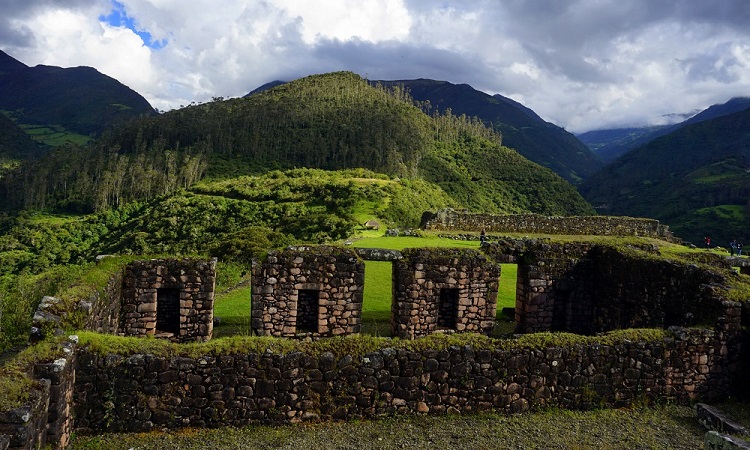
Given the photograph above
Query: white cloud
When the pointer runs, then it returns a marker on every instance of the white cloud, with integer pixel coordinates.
(580, 64)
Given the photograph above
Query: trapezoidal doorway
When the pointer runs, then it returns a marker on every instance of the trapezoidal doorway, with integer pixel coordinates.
(168, 311)
(447, 309)
(307, 310)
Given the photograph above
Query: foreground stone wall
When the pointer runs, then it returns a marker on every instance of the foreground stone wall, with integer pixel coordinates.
(47, 419)
(449, 219)
(308, 291)
(144, 392)
(26, 427)
(443, 290)
(187, 286)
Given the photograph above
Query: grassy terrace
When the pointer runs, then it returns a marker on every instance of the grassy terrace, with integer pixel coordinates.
(674, 427)
(233, 306)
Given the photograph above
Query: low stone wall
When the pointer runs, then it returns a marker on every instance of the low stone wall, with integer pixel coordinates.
(144, 392)
(61, 375)
(26, 427)
(308, 291)
(443, 290)
(103, 310)
(449, 219)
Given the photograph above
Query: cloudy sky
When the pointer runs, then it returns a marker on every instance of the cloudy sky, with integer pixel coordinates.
(581, 64)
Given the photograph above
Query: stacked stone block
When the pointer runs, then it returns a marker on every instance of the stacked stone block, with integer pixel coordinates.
(449, 219)
(332, 277)
(423, 275)
(195, 282)
(243, 388)
(584, 288)
(26, 426)
(62, 376)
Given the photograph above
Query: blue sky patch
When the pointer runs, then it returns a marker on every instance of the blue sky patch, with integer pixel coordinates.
(119, 18)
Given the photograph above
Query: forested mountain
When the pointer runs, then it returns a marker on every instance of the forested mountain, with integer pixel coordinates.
(78, 100)
(522, 129)
(610, 144)
(696, 179)
(15, 145)
(332, 121)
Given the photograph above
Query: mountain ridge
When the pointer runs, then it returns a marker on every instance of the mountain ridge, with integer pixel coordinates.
(695, 179)
(79, 99)
(612, 143)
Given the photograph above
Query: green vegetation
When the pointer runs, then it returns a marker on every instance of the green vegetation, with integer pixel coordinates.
(695, 179)
(667, 426)
(354, 345)
(333, 121)
(54, 135)
(16, 386)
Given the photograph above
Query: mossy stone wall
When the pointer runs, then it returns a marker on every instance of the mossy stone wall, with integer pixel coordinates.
(144, 392)
(449, 219)
(584, 288)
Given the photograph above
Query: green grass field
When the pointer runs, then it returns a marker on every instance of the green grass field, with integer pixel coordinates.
(233, 307)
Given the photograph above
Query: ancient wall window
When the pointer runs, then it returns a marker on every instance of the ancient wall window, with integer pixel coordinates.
(168, 311)
(307, 310)
(447, 309)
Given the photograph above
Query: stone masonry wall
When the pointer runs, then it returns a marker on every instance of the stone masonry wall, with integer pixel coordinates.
(144, 392)
(103, 310)
(308, 291)
(26, 427)
(467, 281)
(195, 282)
(584, 288)
(449, 219)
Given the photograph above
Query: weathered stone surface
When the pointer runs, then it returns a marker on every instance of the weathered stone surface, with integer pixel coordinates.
(449, 219)
(238, 390)
(445, 290)
(190, 318)
(713, 419)
(308, 291)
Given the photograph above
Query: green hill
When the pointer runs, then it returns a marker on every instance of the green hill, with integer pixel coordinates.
(333, 121)
(696, 179)
(522, 129)
(612, 143)
(53, 101)
(15, 145)
(233, 219)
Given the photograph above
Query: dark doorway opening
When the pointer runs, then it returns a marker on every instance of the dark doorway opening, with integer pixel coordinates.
(447, 309)
(307, 310)
(168, 311)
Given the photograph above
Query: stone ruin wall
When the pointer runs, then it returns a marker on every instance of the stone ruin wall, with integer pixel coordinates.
(143, 392)
(584, 288)
(247, 388)
(443, 290)
(449, 219)
(307, 291)
(188, 285)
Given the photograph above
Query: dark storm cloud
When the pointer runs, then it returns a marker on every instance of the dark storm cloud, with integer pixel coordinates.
(393, 60)
(19, 9)
(581, 64)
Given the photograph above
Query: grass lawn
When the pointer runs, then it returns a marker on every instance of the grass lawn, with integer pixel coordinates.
(674, 427)
(233, 307)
